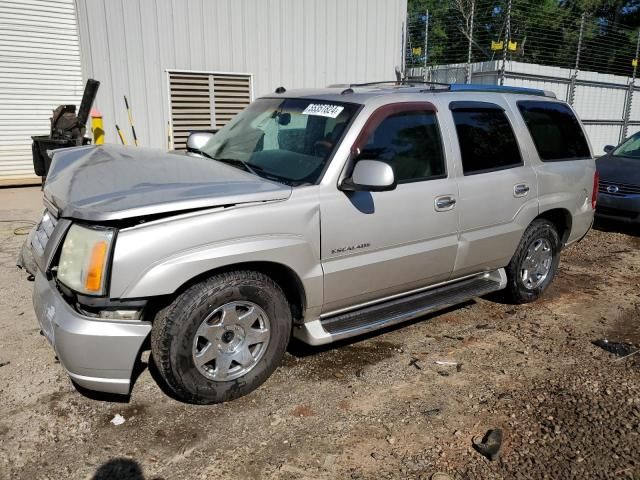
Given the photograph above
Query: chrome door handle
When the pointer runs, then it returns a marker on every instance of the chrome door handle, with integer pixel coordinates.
(444, 203)
(521, 190)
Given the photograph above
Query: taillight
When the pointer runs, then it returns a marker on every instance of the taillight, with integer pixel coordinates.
(594, 195)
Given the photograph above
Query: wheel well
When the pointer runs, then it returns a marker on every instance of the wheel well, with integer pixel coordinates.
(286, 278)
(561, 218)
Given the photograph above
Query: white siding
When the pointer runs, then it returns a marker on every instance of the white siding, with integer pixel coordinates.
(128, 45)
(39, 70)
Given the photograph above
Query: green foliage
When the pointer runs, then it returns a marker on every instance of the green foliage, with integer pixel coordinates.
(546, 32)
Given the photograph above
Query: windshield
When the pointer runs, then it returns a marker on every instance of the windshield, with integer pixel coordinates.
(289, 140)
(630, 148)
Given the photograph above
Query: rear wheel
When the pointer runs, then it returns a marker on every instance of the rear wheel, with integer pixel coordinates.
(535, 263)
(222, 338)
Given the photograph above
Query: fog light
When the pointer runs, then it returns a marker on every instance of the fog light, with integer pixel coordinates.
(120, 314)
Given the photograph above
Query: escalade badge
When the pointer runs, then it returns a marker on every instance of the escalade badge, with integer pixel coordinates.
(612, 189)
(350, 248)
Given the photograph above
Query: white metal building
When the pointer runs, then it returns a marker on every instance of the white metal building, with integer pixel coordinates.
(39, 69)
(183, 64)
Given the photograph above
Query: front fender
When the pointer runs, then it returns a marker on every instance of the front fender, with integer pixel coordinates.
(166, 276)
(158, 257)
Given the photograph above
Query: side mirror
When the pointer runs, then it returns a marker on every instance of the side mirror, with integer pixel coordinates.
(197, 140)
(370, 176)
(609, 148)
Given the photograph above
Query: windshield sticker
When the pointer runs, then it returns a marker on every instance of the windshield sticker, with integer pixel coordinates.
(323, 110)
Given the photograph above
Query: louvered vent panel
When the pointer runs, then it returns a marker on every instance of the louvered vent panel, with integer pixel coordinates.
(190, 105)
(201, 101)
(232, 95)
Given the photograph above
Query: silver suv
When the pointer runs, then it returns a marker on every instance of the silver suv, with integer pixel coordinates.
(321, 214)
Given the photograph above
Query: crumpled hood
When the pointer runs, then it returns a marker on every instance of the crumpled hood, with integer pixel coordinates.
(113, 182)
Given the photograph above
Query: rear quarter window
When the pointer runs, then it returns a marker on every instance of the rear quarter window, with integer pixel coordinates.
(487, 141)
(555, 131)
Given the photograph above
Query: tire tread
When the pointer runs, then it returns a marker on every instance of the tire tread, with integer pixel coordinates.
(515, 292)
(168, 319)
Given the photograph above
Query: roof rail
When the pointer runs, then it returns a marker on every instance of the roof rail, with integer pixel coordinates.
(458, 87)
(408, 83)
(466, 87)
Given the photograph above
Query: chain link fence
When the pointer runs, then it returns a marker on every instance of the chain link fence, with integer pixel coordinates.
(583, 58)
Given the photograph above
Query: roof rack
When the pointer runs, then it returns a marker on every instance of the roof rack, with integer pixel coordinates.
(466, 87)
(408, 83)
(456, 87)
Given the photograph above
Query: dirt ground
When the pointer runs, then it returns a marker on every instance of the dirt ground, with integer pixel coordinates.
(378, 407)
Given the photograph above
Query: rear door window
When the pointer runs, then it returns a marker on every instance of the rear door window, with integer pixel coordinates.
(555, 130)
(487, 141)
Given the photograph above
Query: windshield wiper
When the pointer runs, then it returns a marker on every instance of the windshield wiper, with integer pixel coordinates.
(200, 152)
(256, 170)
(233, 161)
(241, 163)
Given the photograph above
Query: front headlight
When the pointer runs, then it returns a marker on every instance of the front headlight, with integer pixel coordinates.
(84, 259)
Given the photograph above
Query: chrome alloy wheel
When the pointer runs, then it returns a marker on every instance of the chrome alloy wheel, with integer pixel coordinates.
(536, 265)
(231, 340)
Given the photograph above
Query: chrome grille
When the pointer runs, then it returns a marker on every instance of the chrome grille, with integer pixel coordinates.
(43, 233)
(618, 189)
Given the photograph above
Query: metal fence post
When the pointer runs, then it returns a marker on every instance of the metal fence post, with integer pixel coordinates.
(505, 48)
(627, 108)
(426, 45)
(574, 77)
(403, 66)
(467, 77)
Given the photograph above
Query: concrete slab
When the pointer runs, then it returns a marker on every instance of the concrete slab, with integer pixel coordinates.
(26, 202)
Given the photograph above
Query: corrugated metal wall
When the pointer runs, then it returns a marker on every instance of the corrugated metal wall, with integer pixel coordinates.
(39, 70)
(129, 45)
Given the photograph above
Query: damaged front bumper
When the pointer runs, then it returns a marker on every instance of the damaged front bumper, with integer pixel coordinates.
(97, 354)
(25, 257)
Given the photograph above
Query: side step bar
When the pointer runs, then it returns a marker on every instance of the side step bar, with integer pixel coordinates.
(367, 319)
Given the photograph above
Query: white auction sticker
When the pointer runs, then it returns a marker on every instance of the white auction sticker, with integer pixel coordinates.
(323, 110)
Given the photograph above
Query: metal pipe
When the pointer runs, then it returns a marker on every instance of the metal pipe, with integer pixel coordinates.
(505, 47)
(627, 110)
(121, 135)
(426, 45)
(574, 76)
(404, 51)
(133, 129)
(467, 77)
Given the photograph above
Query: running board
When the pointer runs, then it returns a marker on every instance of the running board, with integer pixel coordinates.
(398, 310)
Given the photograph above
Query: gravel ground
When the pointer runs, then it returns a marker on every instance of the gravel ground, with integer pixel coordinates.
(378, 407)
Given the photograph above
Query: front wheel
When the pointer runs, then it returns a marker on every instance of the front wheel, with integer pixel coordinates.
(222, 338)
(535, 263)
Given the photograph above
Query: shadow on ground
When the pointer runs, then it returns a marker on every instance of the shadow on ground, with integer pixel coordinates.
(120, 469)
(616, 227)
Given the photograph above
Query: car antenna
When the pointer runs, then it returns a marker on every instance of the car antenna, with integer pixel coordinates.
(281, 90)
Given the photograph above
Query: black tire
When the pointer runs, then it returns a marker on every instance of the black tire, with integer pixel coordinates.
(516, 291)
(175, 327)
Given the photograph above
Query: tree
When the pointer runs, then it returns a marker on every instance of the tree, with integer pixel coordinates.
(546, 31)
